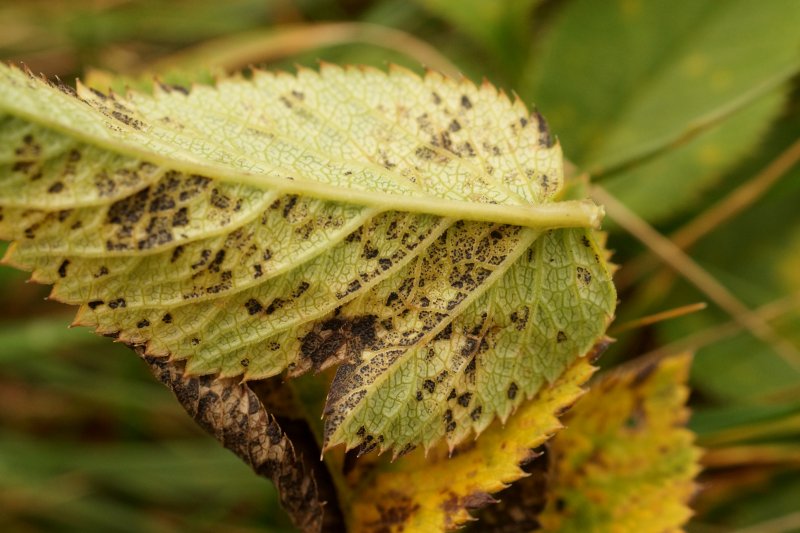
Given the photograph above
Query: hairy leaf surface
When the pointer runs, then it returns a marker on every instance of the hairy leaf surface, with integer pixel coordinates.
(404, 227)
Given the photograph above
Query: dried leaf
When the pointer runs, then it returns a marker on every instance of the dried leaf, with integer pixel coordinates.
(231, 412)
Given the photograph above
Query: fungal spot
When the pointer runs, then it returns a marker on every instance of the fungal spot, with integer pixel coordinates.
(449, 423)
(475, 414)
(419, 396)
(217, 261)
(143, 323)
(62, 270)
(118, 303)
(291, 201)
(204, 255)
(301, 288)
(176, 253)
(103, 271)
(585, 241)
(470, 368)
(424, 152)
(94, 304)
(445, 334)
(465, 102)
(327, 340)
(436, 98)
(512, 391)
(194, 341)
(452, 394)
(523, 121)
(257, 271)
(245, 362)
(253, 306)
(56, 187)
(545, 139)
(161, 202)
(22, 166)
(454, 126)
(584, 276)
(219, 200)
(429, 386)
(464, 399)
(180, 218)
(274, 305)
(561, 337)
(369, 252)
(167, 318)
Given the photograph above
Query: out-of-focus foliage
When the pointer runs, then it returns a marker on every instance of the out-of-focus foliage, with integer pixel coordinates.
(616, 79)
(626, 463)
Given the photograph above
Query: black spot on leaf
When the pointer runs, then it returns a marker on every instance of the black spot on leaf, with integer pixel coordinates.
(62, 269)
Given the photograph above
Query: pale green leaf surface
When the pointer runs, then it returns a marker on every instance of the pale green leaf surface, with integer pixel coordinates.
(656, 68)
(289, 223)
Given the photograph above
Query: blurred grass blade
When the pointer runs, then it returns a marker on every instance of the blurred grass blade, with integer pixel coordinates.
(656, 67)
(257, 47)
(679, 261)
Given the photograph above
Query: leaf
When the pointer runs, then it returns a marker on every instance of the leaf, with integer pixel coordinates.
(403, 227)
(235, 416)
(436, 492)
(646, 90)
(767, 235)
(502, 26)
(625, 461)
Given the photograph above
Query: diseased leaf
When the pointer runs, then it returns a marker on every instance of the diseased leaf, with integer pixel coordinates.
(625, 462)
(436, 492)
(406, 228)
(233, 414)
(645, 90)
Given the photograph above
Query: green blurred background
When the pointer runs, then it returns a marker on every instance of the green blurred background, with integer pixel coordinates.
(675, 106)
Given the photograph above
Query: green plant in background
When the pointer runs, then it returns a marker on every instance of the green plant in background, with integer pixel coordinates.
(689, 129)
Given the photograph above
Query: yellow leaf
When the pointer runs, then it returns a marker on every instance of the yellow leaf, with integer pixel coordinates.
(625, 462)
(435, 493)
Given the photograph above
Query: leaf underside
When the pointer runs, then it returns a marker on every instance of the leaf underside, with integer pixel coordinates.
(289, 223)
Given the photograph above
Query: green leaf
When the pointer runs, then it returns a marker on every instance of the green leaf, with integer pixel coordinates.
(655, 69)
(501, 26)
(405, 227)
